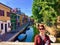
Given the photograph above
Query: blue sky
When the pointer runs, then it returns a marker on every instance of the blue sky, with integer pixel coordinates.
(24, 5)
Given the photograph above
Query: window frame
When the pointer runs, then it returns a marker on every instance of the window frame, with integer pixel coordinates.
(1, 12)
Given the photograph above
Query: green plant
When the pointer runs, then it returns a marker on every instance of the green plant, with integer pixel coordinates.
(46, 11)
(35, 30)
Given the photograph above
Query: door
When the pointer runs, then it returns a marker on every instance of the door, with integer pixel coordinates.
(5, 27)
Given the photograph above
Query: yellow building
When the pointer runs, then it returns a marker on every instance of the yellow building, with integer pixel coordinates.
(25, 18)
(21, 19)
(5, 23)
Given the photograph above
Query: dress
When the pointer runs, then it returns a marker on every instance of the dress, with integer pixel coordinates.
(38, 40)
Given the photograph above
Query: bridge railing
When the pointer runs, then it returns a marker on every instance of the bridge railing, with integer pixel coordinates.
(22, 43)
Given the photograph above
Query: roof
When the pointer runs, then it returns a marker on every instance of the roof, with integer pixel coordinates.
(5, 5)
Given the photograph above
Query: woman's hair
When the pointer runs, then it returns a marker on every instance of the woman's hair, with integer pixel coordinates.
(38, 25)
(41, 25)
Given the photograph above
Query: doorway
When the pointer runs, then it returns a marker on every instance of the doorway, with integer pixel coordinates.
(5, 27)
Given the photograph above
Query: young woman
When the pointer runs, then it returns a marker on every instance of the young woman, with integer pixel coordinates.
(41, 38)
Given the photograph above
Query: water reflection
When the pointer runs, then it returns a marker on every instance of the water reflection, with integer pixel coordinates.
(29, 34)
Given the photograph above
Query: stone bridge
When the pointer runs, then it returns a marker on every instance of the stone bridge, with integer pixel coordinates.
(22, 43)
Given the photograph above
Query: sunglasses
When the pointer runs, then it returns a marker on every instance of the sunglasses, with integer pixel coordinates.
(42, 29)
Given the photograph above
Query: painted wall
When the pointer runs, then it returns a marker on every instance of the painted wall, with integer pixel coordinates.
(21, 20)
(6, 9)
(13, 21)
(5, 19)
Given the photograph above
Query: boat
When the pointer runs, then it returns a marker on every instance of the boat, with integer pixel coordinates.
(28, 28)
(21, 37)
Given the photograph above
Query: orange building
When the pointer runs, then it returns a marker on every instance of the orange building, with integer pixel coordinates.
(4, 18)
(25, 18)
(22, 19)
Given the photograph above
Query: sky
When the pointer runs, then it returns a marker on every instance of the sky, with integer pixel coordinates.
(24, 5)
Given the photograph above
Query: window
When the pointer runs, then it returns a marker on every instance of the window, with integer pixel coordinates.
(2, 26)
(8, 14)
(18, 17)
(1, 13)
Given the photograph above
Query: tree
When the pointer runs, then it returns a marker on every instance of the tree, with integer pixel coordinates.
(45, 11)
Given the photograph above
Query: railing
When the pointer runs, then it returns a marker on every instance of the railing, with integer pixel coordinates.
(22, 43)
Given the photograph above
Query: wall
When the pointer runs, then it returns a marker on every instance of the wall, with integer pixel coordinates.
(22, 43)
(3, 18)
(21, 20)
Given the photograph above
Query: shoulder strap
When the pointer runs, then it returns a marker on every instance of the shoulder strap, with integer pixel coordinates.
(40, 37)
(41, 41)
(47, 37)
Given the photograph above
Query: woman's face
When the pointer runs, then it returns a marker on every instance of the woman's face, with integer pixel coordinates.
(42, 31)
(41, 28)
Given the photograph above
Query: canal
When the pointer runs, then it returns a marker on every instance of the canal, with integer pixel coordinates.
(26, 36)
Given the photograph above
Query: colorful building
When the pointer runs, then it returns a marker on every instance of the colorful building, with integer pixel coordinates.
(15, 18)
(21, 19)
(18, 20)
(25, 18)
(5, 24)
(18, 13)
(13, 21)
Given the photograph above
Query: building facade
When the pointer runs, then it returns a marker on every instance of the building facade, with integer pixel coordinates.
(25, 18)
(5, 24)
(13, 17)
(18, 12)
(18, 20)
(21, 19)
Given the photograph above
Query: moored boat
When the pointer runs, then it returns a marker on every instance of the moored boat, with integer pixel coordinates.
(21, 37)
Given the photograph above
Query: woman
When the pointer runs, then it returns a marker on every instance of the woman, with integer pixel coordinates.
(41, 38)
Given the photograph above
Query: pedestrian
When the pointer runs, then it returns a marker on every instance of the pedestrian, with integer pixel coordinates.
(41, 38)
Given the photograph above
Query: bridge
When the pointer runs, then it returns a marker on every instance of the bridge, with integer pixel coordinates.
(22, 43)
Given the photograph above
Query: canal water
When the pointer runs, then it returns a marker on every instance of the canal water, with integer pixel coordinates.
(29, 34)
